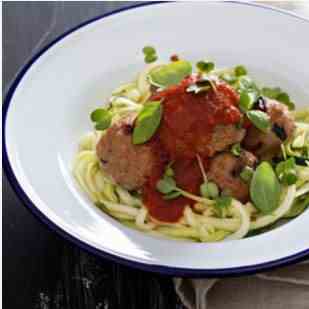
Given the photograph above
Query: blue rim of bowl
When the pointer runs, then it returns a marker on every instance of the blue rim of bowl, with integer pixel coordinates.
(165, 270)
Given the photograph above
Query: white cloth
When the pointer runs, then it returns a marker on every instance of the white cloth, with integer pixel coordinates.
(285, 288)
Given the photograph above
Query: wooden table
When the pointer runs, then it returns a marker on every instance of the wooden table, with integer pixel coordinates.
(40, 268)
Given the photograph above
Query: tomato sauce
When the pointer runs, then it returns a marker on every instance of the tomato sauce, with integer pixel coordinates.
(186, 128)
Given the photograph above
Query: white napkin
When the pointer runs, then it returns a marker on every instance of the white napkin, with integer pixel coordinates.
(284, 288)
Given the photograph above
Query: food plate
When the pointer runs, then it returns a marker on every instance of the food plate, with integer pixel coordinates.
(46, 110)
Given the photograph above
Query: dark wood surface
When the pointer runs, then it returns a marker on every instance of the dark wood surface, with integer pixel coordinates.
(41, 270)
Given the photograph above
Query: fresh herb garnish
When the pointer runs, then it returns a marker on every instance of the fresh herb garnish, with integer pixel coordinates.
(209, 190)
(169, 170)
(286, 171)
(246, 100)
(246, 174)
(223, 202)
(260, 120)
(279, 95)
(170, 74)
(102, 118)
(205, 67)
(236, 150)
(151, 58)
(285, 99)
(150, 54)
(166, 185)
(271, 93)
(265, 188)
(240, 70)
(169, 189)
(245, 83)
(148, 50)
(172, 195)
(147, 122)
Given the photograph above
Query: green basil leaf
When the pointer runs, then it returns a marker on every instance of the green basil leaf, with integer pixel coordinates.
(205, 67)
(151, 58)
(103, 125)
(147, 122)
(290, 178)
(209, 190)
(286, 171)
(271, 93)
(166, 185)
(285, 99)
(149, 50)
(277, 94)
(170, 74)
(99, 114)
(240, 70)
(265, 188)
(285, 166)
(102, 118)
(245, 83)
(260, 120)
(172, 195)
(246, 100)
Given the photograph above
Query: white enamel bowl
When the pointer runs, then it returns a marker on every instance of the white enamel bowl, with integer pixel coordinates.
(47, 110)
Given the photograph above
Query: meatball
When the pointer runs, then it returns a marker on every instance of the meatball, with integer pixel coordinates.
(129, 165)
(224, 170)
(267, 145)
(279, 114)
(247, 158)
(223, 137)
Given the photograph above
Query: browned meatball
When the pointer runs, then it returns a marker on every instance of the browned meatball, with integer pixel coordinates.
(224, 170)
(280, 115)
(267, 145)
(223, 137)
(247, 158)
(129, 165)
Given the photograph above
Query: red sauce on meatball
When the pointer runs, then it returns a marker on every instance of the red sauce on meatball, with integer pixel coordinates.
(186, 129)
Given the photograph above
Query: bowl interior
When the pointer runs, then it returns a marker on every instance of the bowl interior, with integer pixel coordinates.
(50, 108)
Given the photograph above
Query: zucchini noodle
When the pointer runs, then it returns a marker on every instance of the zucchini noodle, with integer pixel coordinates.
(202, 222)
(243, 229)
(303, 190)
